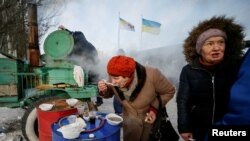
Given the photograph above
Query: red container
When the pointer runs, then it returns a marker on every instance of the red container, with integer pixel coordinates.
(47, 118)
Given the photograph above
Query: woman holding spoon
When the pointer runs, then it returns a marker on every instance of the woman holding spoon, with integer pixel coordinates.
(136, 86)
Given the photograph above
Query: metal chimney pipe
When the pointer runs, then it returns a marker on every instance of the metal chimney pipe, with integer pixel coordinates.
(33, 50)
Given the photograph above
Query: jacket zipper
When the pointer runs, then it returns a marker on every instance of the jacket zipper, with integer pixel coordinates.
(213, 85)
(213, 98)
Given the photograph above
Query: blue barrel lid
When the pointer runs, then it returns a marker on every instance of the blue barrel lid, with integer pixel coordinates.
(59, 44)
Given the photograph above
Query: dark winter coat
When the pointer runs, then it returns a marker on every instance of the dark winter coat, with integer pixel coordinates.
(203, 95)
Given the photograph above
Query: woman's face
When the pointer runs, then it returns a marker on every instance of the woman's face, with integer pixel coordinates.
(120, 81)
(213, 49)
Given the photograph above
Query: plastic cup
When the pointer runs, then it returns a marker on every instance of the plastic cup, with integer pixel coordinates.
(72, 119)
(86, 109)
(80, 110)
(92, 117)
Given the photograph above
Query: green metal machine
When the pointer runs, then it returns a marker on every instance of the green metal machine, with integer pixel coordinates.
(19, 85)
(59, 69)
(23, 86)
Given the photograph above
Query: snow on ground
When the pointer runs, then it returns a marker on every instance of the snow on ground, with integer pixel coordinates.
(10, 123)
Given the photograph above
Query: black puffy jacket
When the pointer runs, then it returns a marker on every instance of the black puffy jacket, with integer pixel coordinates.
(203, 95)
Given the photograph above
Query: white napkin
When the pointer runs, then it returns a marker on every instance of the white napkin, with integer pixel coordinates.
(78, 75)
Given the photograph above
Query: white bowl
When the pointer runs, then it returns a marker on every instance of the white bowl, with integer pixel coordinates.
(69, 133)
(46, 107)
(71, 101)
(73, 130)
(114, 119)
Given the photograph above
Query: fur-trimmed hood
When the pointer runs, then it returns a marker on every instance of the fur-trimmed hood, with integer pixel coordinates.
(234, 42)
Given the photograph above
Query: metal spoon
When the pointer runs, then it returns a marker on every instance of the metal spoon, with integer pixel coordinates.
(108, 83)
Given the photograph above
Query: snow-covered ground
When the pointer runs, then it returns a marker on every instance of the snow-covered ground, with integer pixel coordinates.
(10, 124)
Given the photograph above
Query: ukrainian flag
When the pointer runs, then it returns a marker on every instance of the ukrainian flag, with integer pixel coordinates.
(150, 26)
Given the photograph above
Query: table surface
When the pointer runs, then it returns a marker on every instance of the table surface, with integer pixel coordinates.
(102, 132)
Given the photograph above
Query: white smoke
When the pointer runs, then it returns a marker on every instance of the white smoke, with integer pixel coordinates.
(169, 60)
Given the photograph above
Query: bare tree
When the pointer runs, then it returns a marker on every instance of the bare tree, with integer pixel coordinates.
(14, 23)
(12, 29)
(48, 13)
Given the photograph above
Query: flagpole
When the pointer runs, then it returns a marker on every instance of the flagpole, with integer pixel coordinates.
(141, 32)
(119, 31)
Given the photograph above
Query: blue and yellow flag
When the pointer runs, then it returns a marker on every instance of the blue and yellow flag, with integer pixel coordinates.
(151, 26)
(126, 25)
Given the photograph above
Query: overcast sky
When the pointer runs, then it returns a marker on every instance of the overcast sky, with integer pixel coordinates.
(98, 20)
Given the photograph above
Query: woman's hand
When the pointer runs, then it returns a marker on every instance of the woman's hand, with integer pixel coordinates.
(187, 136)
(102, 86)
(150, 117)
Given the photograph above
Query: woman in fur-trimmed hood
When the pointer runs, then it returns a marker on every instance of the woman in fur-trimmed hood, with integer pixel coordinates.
(234, 43)
(213, 51)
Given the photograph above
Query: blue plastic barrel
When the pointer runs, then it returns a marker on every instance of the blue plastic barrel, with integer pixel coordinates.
(107, 132)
